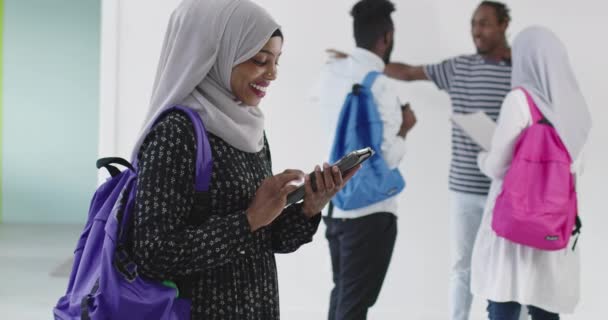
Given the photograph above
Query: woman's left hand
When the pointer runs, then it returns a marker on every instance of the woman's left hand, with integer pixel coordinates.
(328, 183)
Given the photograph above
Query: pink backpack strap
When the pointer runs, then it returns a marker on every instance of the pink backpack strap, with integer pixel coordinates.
(536, 114)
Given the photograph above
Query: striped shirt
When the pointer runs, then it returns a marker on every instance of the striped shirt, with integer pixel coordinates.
(474, 84)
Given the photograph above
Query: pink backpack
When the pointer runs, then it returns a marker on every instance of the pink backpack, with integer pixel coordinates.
(537, 206)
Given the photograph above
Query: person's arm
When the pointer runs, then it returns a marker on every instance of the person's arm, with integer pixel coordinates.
(397, 122)
(292, 229)
(396, 70)
(408, 120)
(298, 223)
(165, 245)
(336, 54)
(405, 72)
(441, 73)
(511, 122)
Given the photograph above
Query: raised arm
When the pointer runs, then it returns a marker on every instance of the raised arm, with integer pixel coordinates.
(405, 72)
(396, 70)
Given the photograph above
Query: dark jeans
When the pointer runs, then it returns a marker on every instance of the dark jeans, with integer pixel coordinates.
(511, 310)
(361, 251)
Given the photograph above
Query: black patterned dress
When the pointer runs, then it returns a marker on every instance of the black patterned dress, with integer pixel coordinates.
(211, 253)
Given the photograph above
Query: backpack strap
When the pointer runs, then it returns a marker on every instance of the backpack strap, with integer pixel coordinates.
(204, 166)
(369, 79)
(367, 83)
(108, 164)
(577, 230)
(537, 116)
(578, 225)
(204, 160)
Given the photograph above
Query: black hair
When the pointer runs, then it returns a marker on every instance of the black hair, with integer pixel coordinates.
(503, 13)
(372, 20)
(277, 33)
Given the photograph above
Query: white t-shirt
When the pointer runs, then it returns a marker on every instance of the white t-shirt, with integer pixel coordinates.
(336, 81)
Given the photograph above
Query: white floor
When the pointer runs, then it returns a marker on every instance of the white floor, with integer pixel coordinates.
(28, 291)
(28, 254)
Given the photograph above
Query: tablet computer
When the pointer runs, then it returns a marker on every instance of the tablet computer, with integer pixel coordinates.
(345, 164)
(478, 126)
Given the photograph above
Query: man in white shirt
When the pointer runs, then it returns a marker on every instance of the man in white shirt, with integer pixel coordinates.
(361, 241)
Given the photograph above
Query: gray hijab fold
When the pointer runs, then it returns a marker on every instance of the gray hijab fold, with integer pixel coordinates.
(541, 65)
(205, 39)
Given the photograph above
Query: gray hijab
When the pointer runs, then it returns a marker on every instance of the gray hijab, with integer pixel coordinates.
(205, 39)
(542, 67)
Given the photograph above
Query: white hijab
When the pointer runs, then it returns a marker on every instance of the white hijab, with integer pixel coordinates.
(542, 67)
(205, 39)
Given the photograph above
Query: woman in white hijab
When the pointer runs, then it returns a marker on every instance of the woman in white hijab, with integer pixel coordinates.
(507, 274)
(219, 58)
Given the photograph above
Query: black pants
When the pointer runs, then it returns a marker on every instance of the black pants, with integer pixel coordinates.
(361, 251)
(511, 310)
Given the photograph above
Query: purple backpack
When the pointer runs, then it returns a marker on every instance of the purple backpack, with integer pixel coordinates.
(104, 283)
(538, 206)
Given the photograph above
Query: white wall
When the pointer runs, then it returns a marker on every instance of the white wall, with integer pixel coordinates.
(427, 31)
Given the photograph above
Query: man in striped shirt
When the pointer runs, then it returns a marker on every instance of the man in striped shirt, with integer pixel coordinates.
(475, 82)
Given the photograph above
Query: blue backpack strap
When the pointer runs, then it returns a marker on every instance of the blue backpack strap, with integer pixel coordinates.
(372, 114)
(369, 79)
(350, 113)
(204, 160)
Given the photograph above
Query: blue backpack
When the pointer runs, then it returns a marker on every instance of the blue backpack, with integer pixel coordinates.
(104, 282)
(359, 126)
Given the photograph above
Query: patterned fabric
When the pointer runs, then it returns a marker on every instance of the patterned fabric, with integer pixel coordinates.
(204, 242)
(474, 84)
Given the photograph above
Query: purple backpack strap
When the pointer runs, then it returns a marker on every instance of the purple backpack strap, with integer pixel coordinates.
(536, 114)
(204, 160)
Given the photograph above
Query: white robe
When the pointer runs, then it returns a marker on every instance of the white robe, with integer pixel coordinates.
(504, 271)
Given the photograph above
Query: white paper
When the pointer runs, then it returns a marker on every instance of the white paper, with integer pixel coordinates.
(478, 126)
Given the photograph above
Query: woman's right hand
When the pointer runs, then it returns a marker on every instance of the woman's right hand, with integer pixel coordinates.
(271, 198)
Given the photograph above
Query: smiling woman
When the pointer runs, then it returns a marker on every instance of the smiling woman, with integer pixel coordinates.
(220, 249)
(250, 79)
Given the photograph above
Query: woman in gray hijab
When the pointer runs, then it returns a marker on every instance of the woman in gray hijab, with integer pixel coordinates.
(505, 273)
(219, 58)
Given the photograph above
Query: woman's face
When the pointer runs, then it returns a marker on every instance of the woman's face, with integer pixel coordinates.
(250, 79)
